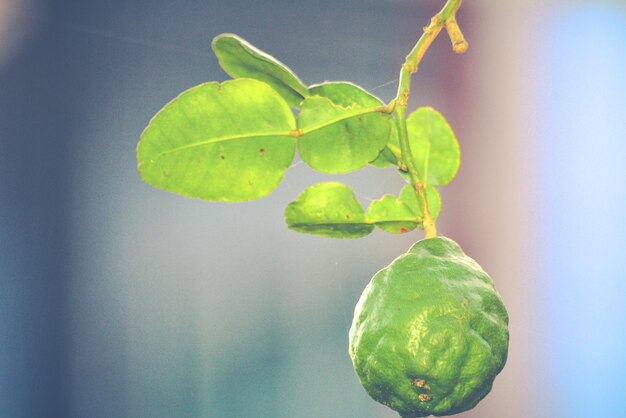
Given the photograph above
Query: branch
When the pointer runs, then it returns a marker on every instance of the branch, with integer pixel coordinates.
(445, 18)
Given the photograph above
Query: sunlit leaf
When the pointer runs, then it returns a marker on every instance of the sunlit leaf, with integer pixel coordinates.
(226, 142)
(390, 154)
(403, 214)
(330, 210)
(409, 198)
(338, 140)
(386, 158)
(346, 94)
(392, 215)
(434, 146)
(239, 58)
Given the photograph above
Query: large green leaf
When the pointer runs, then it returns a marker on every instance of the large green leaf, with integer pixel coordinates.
(346, 94)
(241, 59)
(434, 146)
(334, 139)
(330, 210)
(228, 142)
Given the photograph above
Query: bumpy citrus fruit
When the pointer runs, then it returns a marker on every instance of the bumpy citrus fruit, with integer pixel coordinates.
(430, 332)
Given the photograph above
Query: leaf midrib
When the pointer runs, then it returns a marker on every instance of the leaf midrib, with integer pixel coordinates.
(365, 222)
(308, 130)
(290, 134)
(224, 139)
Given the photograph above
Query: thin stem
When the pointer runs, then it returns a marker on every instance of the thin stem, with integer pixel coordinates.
(410, 66)
(459, 44)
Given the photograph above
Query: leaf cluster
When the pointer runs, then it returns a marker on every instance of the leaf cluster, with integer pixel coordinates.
(233, 142)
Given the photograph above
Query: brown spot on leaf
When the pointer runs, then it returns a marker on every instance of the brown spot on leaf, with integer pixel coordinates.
(421, 383)
(423, 397)
(404, 231)
(222, 157)
(262, 151)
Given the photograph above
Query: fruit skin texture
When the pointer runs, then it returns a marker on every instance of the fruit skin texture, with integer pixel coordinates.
(430, 332)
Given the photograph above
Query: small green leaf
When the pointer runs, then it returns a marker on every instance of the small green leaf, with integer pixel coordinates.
(336, 140)
(385, 158)
(226, 142)
(409, 198)
(392, 215)
(346, 94)
(403, 214)
(434, 146)
(330, 210)
(241, 59)
(389, 156)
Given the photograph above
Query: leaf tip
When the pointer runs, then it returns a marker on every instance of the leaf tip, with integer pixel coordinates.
(222, 36)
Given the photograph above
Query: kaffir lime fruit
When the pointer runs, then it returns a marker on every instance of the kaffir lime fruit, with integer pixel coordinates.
(430, 332)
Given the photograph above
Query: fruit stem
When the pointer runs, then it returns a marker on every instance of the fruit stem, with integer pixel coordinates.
(445, 18)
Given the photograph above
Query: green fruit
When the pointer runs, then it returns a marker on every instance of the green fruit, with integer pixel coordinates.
(430, 332)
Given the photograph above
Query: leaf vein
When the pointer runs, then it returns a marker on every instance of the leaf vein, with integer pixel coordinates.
(224, 139)
(376, 109)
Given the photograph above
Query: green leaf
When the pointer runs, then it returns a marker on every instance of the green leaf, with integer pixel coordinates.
(385, 158)
(434, 146)
(335, 139)
(409, 198)
(241, 59)
(390, 154)
(392, 215)
(330, 210)
(228, 142)
(346, 94)
(403, 214)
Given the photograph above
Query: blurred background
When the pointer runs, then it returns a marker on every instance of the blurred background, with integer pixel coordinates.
(120, 300)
